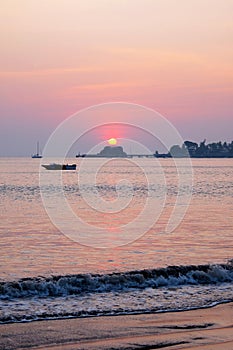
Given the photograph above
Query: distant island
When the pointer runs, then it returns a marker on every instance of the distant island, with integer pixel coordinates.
(107, 152)
(188, 149)
(203, 150)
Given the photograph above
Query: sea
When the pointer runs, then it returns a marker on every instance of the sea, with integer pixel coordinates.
(114, 255)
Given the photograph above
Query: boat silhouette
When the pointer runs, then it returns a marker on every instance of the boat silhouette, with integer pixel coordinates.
(37, 154)
(55, 166)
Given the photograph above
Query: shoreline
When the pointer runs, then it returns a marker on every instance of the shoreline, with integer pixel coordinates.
(136, 313)
(205, 328)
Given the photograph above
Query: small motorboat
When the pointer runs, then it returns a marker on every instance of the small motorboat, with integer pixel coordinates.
(55, 166)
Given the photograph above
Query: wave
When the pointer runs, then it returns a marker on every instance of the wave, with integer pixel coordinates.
(170, 276)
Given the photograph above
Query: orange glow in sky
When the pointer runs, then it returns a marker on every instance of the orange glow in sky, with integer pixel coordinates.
(58, 57)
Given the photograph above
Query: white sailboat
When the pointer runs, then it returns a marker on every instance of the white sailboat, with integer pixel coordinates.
(37, 154)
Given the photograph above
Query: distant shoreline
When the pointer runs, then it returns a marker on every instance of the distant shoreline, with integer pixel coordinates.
(189, 149)
(149, 156)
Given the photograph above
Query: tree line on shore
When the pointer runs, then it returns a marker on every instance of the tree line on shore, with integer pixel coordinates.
(202, 150)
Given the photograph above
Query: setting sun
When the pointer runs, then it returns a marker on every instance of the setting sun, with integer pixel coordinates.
(112, 141)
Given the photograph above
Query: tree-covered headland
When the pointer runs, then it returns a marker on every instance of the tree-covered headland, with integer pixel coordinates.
(202, 150)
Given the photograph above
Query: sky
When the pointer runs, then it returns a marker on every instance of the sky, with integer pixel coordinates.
(60, 56)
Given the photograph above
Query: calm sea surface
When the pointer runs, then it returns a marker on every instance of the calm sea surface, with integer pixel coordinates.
(45, 274)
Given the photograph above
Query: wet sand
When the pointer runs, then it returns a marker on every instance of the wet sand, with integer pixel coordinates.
(207, 329)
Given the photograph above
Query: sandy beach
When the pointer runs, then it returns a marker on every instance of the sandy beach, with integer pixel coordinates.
(210, 328)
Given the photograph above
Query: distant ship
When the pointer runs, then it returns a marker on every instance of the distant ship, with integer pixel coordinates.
(37, 154)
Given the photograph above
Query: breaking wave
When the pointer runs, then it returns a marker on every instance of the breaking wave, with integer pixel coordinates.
(56, 286)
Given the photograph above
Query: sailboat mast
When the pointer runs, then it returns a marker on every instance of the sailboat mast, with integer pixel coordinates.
(37, 154)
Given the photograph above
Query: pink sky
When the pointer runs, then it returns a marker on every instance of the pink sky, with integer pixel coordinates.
(59, 56)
